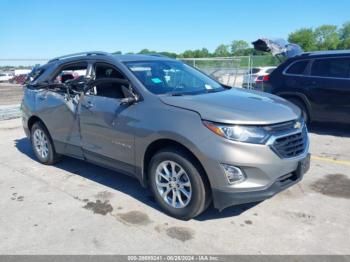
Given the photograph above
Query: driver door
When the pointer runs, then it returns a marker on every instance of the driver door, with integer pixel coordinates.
(106, 126)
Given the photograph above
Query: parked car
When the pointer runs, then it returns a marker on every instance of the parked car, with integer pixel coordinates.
(5, 77)
(18, 79)
(317, 82)
(185, 136)
(251, 76)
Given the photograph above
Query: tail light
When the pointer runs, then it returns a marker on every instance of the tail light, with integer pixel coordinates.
(261, 79)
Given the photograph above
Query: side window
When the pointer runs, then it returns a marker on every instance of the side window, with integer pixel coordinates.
(269, 71)
(108, 89)
(298, 68)
(70, 72)
(331, 67)
(252, 71)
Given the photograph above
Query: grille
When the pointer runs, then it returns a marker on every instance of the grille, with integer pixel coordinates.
(282, 127)
(291, 145)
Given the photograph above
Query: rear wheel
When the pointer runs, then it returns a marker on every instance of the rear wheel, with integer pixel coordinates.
(302, 107)
(177, 184)
(42, 144)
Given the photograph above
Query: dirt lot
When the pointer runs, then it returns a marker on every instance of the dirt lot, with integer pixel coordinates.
(10, 94)
(78, 208)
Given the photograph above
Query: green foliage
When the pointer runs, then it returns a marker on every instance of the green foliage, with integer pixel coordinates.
(305, 37)
(324, 37)
(344, 35)
(197, 53)
(327, 37)
(222, 51)
(239, 47)
(169, 54)
(145, 51)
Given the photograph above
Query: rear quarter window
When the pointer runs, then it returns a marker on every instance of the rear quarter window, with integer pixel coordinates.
(331, 67)
(255, 70)
(269, 71)
(297, 68)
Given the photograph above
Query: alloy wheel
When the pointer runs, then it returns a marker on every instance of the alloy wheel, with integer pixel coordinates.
(41, 143)
(173, 184)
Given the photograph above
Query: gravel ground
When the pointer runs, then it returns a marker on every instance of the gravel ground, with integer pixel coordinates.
(78, 208)
(10, 94)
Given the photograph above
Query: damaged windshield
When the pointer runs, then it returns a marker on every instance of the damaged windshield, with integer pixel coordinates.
(171, 77)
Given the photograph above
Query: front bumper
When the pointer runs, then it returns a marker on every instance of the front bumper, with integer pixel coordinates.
(223, 199)
(264, 165)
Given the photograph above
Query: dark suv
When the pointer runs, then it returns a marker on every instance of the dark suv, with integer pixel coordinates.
(317, 82)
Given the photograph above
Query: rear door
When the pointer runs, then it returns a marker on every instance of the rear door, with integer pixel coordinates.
(329, 89)
(106, 124)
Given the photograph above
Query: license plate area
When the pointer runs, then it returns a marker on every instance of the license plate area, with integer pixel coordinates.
(303, 166)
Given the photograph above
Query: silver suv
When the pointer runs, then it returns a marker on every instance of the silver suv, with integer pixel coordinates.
(191, 140)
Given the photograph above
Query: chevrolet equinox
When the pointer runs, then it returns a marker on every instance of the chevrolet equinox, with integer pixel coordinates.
(190, 139)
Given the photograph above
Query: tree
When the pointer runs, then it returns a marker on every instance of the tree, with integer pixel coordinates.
(168, 54)
(304, 37)
(146, 51)
(197, 53)
(117, 53)
(344, 35)
(187, 54)
(327, 37)
(222, 51)
(238, 47)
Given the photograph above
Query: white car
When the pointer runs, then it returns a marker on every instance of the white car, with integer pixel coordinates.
(5, 77)
(251, 75)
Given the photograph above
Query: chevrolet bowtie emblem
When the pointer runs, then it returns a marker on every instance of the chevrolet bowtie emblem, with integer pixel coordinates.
(297, 125)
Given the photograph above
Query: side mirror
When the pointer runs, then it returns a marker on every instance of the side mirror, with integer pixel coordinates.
(127, 101)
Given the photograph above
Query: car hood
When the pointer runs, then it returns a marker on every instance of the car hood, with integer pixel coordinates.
(237, 106)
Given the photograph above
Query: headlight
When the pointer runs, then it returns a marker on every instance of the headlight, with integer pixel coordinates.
(248, 134)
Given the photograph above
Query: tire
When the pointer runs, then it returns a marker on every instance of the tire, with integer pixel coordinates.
(42, 144)
(302, 107)
(198, 190)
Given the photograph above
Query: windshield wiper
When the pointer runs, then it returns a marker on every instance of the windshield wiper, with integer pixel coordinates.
(179, 93)
(207, 91)
(175, 94)
(214, 90)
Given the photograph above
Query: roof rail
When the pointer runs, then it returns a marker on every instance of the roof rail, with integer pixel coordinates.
(326, 52)
(157, 55)
(90, 53)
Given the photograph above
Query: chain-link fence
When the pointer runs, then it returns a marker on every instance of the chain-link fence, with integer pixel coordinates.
(231, 71)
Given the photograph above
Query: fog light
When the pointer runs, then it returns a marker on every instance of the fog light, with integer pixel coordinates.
(233, 174)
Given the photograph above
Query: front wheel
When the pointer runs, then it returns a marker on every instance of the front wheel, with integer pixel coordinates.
(42, 144)
(177, 184)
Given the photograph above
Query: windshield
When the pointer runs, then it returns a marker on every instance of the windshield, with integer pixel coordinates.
(172, 77)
